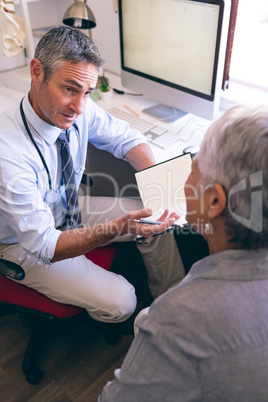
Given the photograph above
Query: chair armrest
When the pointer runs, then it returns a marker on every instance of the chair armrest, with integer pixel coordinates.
(86, 180)
(11, 269)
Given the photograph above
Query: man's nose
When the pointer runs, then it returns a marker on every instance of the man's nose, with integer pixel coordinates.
(78, 104)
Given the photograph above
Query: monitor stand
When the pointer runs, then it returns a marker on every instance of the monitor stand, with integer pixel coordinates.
(164, 113)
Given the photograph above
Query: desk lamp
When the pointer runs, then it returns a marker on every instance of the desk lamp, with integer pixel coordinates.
(79, 16)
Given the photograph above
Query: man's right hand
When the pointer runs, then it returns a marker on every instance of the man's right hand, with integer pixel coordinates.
(130, 223)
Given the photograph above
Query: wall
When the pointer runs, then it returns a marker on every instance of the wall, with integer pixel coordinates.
(47, 13)
(42, 14)
(105, 34)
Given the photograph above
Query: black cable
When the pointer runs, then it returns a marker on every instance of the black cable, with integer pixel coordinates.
(34, 143)
(119, 92)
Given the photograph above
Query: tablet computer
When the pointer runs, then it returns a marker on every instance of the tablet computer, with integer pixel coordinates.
(162, 186)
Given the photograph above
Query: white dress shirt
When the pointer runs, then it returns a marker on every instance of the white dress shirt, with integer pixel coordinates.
(27, 215)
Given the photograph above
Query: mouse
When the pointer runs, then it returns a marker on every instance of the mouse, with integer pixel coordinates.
(193, 149)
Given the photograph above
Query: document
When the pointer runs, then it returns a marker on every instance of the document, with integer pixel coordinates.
(162, 186)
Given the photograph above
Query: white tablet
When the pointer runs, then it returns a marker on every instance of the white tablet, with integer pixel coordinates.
(162, 186)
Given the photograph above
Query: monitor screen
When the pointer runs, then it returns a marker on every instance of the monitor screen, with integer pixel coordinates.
(173, 51)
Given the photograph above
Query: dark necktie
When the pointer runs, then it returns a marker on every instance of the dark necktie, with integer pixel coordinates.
(73, 215)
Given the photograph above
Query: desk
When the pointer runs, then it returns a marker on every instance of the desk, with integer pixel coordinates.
(192, 128)
(115, 177)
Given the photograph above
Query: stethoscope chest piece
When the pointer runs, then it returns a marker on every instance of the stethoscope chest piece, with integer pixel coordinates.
(51, 196)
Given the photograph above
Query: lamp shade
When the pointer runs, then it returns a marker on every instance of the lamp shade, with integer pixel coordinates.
(79, 16)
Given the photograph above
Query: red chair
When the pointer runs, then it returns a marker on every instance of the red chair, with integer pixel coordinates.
(17, 297)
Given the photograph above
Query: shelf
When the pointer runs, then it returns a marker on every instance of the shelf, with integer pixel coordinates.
(27, 1)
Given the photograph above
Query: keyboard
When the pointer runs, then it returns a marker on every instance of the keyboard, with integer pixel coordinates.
(156, 135)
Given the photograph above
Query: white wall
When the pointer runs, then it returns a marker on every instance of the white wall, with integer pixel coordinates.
(46, 13)
(105, 34)
(8, 63)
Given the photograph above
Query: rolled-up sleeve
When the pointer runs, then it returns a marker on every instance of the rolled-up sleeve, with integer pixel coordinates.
(28, 220)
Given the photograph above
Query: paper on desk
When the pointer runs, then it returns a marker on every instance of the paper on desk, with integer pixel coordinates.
(162, 186)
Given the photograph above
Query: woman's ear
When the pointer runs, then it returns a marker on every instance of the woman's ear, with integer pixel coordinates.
(217, 200)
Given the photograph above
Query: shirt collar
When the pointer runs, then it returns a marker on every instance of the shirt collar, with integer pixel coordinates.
(233, 264)
(48, 132)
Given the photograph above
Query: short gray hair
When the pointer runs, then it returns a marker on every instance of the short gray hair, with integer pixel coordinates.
(64, 43)
(235, 151)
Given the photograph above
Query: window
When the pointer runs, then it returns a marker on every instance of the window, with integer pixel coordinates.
(249, 63)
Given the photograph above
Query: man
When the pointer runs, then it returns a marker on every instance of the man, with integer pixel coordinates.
(206, 339)
(42, 227)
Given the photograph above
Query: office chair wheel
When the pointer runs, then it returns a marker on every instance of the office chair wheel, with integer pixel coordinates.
(34, 375)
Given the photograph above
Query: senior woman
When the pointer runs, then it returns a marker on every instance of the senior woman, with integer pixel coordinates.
(206, 339)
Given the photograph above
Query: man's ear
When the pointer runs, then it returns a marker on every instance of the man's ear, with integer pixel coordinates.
(217, 200)
(36, 69)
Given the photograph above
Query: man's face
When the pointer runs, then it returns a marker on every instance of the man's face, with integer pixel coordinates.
(62, 98)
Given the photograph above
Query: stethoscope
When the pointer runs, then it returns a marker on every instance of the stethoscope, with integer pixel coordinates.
(50, 196)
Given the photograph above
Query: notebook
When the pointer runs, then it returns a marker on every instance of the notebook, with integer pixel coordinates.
(162, 186)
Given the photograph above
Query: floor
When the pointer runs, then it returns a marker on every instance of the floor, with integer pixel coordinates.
(75, 357)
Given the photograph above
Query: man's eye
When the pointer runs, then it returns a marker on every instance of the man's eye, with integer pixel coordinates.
(70, 90)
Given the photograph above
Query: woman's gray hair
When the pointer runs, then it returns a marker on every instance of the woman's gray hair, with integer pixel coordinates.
(234, 153)
(64, 43)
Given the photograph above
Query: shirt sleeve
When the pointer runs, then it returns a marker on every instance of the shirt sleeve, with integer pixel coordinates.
(110, 134)
(28, 219)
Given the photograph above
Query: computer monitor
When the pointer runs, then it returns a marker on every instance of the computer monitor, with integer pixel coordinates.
(173, 51)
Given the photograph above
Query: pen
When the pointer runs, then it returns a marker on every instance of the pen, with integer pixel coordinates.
(131, 110)
(147, 222)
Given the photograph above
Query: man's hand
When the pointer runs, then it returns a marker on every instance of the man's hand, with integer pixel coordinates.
(131, 223)
(75, 242)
